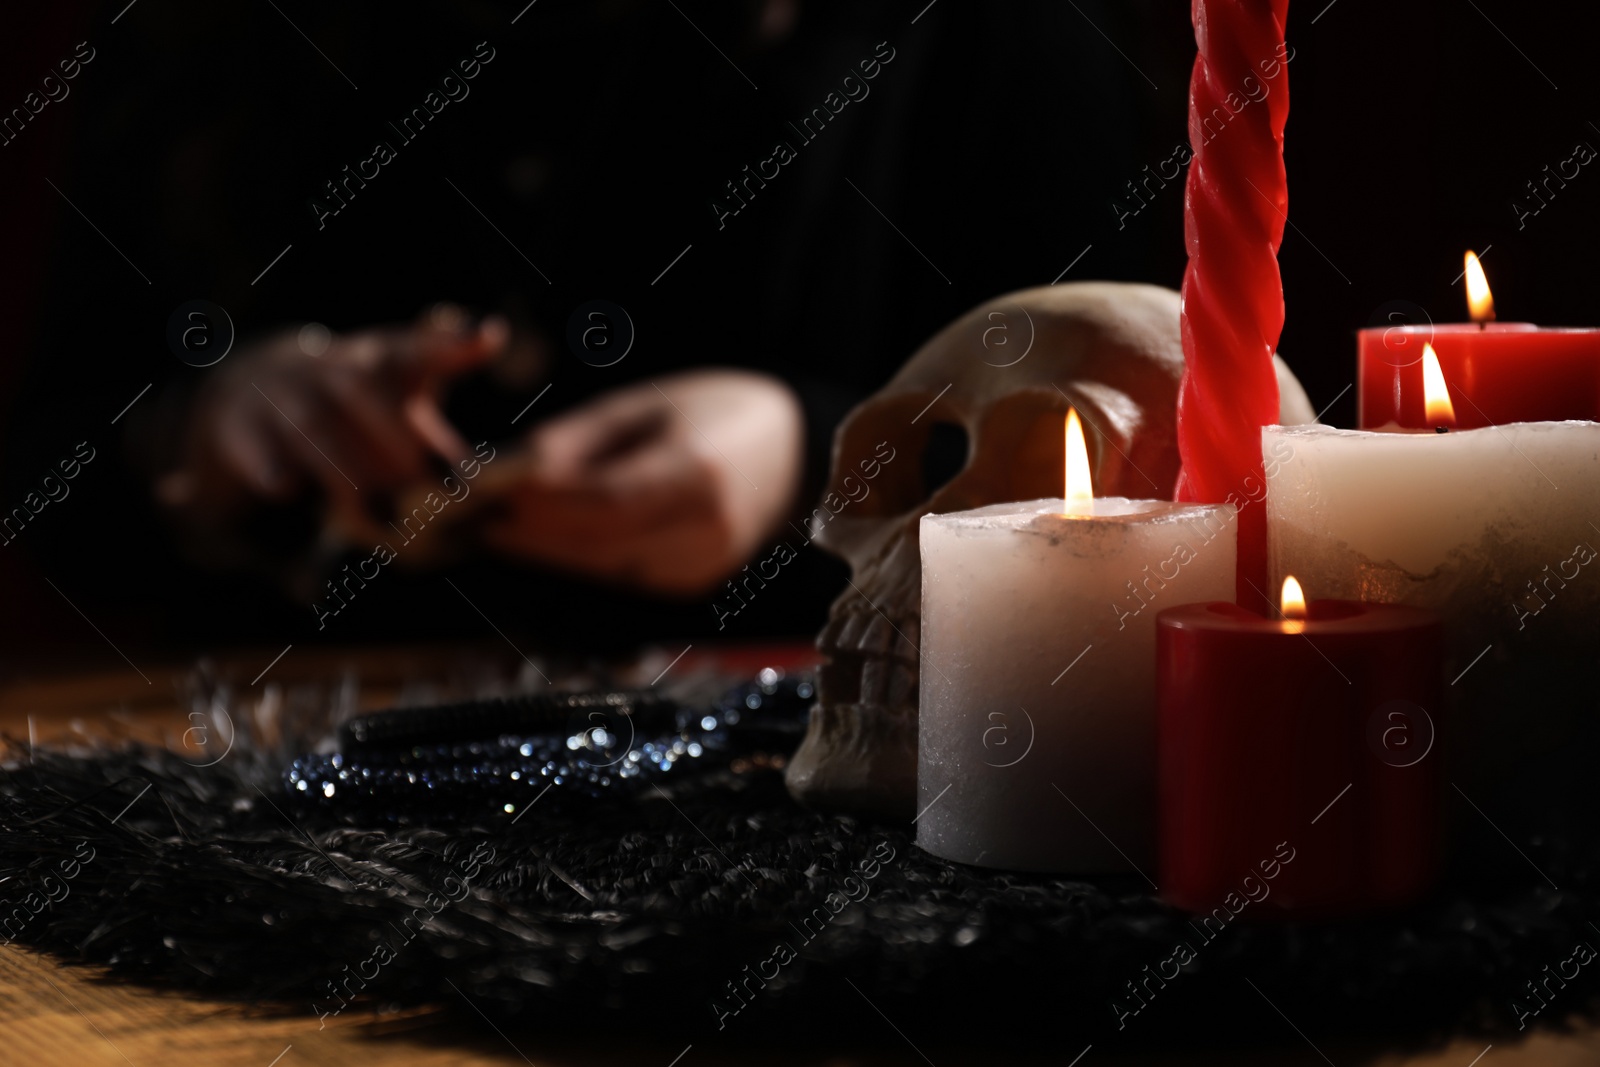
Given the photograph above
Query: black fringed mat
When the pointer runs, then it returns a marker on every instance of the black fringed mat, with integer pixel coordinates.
(723, 905)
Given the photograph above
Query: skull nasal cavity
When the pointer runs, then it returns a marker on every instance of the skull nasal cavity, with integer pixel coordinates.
(944, 455)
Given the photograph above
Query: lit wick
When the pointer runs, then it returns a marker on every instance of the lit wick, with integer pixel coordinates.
(1436, 404)
(1480, 302)
(1078, 490)
(1292, 605)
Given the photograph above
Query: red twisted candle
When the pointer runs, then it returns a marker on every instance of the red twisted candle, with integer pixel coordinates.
(1235, 206)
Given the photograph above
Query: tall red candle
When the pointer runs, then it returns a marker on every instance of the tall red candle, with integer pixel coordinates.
(1314, 739)
(1235, 206)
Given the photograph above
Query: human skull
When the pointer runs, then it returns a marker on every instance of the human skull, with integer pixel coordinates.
(1005, 373)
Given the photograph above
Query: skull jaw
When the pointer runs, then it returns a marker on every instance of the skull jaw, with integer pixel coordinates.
(859, 758)
(859, 754)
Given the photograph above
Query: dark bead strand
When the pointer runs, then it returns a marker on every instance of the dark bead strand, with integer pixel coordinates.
(442, 762)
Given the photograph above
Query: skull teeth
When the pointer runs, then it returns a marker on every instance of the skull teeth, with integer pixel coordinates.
(869, 661)
(870, 632)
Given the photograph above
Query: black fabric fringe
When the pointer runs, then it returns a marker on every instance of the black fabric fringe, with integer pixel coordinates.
(671, 910)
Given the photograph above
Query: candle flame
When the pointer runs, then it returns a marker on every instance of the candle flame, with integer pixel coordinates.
(1480, 302)
(1079, 487)
(1293, 599)
(1436, 395)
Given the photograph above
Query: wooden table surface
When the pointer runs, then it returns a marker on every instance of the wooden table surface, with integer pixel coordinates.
(53, 1013)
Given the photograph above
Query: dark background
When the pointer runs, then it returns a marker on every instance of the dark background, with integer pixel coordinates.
(997, 140)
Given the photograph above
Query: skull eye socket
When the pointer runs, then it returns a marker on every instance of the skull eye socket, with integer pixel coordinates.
(894, 453)
(922, 458)
(944, 455)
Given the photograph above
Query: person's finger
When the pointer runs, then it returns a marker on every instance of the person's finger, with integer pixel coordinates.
(368, 379)
(423, 416)
(428, 356)
(332, 413)
(448, 353)
(248, 455)
(444, 316)
(436, 350)
(388, 447)
(227, 460)
(301, 435)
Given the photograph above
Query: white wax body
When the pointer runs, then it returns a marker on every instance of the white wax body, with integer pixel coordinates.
(1036, 719)
(1494, 528)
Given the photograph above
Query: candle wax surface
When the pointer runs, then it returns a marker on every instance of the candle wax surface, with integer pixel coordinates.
(1036, 514)
(1459, 522)
(1037, 685)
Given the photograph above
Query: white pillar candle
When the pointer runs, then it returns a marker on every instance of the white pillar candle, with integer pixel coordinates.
(1036, 722)
(1494, 528)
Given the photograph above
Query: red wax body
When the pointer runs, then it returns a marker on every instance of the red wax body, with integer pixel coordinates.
(1235, 205)
(1503, 372)
(1318, 745)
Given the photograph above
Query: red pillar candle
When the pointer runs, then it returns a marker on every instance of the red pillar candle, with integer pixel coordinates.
(1235, 205)
(1503, 371)
(1312, 739)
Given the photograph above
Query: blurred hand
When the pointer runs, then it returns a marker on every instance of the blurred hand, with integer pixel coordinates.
(667, 486)
(361, 420)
